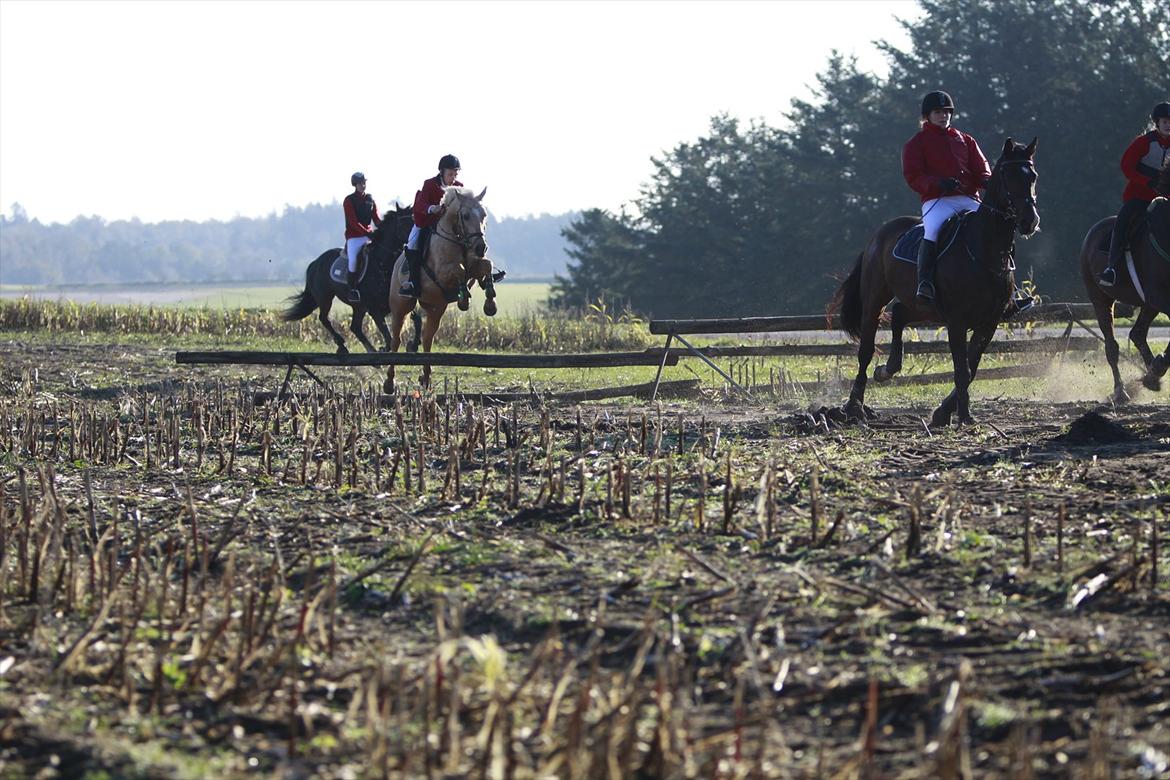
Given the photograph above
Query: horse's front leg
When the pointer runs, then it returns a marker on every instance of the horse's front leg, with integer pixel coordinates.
(355, 325)
(397, 317)
(959, 400)
(1138, 335)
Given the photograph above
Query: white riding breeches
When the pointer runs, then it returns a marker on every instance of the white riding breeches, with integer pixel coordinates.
(352, 247)
(936, 212)
(412, 239)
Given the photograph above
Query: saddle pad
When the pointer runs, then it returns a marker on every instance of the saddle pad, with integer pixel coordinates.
(340, 267)
(906, 249)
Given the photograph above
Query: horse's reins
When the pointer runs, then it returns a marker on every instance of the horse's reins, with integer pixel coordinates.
(464, 240)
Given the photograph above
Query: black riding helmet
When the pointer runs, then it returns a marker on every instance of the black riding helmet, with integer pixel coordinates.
(449, 161)
(357, 176)
(1161, 111)
(936, 99)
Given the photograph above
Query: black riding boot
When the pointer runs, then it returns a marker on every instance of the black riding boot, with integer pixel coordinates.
(927, 258)
(351, 294)
(1129, 209)
(409, 288)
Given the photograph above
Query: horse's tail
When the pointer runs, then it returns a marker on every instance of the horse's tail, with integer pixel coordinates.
(416, 338)
(847, 301)
(303, 302)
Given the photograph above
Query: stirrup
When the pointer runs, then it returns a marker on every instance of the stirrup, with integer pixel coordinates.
(1020, 303)
(353, 296)
(406, 290)
(925, 293)
(498, 275)
(1108, 277)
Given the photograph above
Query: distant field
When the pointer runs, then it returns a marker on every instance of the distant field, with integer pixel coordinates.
(514, 296)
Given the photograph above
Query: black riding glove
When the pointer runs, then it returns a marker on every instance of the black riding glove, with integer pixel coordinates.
(949, 185)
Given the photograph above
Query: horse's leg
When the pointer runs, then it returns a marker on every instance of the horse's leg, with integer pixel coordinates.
(489, 293)
(1138, 334)
(355, 325)
(430, 328)
(894, 360)
(323, 315)
(959, 400)
(869, 323)
(380, 322)
(397, 317)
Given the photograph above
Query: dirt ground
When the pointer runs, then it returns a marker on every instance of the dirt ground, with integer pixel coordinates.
(700, 588)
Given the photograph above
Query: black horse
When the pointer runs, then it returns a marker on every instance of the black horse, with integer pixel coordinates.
(381, 253)
(974, 282)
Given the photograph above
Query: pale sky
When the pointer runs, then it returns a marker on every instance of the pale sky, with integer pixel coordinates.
(210, 110)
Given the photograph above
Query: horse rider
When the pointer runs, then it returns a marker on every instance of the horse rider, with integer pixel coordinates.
(1141, 164)
(360, 209)
(946, 167)
(427, 213)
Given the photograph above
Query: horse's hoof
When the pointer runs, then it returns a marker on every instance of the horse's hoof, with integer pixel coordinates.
(489, 307)
(1152, 381)
(883, 374)
(388, 387)
(940, 419)
(964, 420)
(464, 304)
(412, 346)
(870, 414)
(1120, 397)
(855, 410)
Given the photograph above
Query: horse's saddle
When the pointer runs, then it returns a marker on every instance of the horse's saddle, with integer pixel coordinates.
(340, 267)
(906, 249)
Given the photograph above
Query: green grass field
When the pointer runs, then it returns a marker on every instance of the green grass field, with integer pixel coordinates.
(513, 296)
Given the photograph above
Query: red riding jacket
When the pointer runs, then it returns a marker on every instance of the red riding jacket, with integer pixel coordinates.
(359, 210)
(431, 194)
(934, 154)
(1142, 161)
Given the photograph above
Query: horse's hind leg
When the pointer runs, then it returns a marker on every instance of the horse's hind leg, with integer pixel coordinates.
(959, 400)
(355, 325)
(980, 339)
(380, 323)
(855, 408)
(894, 360)
(323, 315)
(430, 328)
(397, 317)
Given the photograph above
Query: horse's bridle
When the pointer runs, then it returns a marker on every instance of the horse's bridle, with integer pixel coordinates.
(1010, 214)
(465, 240)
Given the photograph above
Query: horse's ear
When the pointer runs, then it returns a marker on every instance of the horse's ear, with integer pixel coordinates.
(1031, 150)
(479, 197)
(1008, 145)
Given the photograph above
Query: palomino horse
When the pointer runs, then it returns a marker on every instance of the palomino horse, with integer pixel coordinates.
(974, 282)
(1150, 249)
(455, 255)
(374, 288)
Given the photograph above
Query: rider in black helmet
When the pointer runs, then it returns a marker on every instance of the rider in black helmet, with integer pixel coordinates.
(1141, 164)
(360, 210)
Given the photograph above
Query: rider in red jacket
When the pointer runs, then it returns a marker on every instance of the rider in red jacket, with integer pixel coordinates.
(947, 169)
(1142, 163)
(427, 211)
(360, 210)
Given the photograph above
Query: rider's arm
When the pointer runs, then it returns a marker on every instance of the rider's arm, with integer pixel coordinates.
(351, 223)
(914, 169)
(377, 219)
(977, 162)
(1131, 160)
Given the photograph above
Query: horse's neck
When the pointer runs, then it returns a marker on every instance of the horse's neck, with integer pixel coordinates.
(996, 236)
(445, 256)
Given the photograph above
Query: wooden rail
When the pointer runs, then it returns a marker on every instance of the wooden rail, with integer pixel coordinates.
(1047, 344)
(468, 359)
(1046, 312)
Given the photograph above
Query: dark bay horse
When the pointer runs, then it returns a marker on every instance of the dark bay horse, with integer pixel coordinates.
(1150, 249)
(455, 256)
(974, 282)
(382, 252)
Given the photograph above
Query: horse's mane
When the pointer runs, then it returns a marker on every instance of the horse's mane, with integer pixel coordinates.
(451, 193)
(1162, 186)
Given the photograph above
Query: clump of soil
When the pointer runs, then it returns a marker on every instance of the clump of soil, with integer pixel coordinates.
(1095, 428)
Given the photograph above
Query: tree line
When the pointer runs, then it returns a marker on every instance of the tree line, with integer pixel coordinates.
(90, 250)
(752, 219)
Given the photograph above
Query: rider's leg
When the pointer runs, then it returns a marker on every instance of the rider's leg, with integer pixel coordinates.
(352, 247)
(1129, 210)
(409, 287)
(927, 259)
